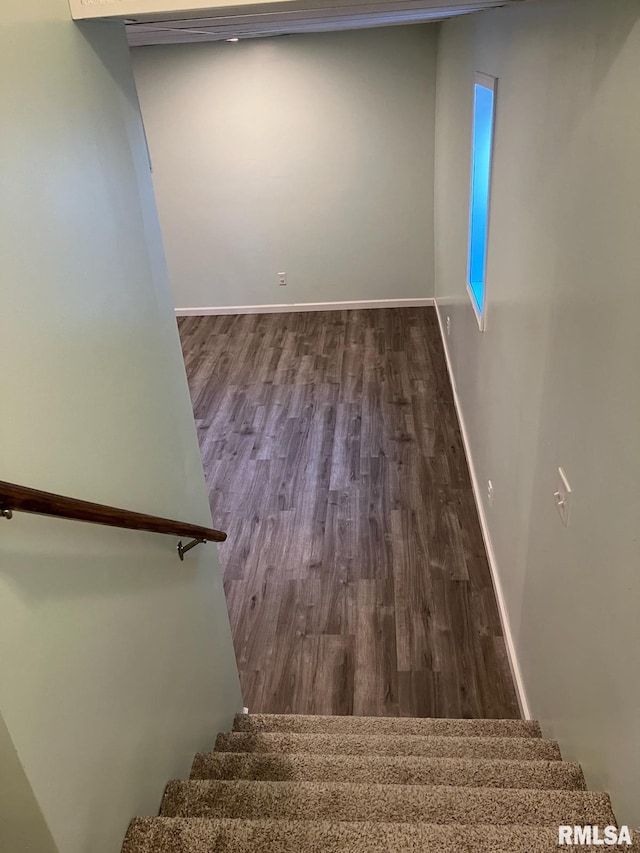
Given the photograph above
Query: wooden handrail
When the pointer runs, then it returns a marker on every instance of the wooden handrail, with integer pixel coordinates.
(23, 499)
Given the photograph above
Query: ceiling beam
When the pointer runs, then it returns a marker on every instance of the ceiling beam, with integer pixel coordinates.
(157, 10)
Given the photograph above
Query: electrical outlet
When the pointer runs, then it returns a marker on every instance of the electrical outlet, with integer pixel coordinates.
(562, 495)
(490, 492)
(282, 279)
(448, 325)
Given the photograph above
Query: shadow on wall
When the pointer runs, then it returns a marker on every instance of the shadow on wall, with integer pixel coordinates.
(22, 826)
(68, 560)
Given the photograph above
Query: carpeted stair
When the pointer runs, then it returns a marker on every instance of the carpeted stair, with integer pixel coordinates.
(305, 784)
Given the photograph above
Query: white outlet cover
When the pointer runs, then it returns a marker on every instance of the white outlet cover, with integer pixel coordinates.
(562, 497)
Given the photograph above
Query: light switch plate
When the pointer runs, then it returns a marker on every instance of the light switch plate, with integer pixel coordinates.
(562, 497)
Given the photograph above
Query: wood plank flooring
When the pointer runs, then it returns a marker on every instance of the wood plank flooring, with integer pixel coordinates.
(355, 571)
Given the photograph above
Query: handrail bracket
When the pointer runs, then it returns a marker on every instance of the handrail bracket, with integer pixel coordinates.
(5, 512)
(182, 549)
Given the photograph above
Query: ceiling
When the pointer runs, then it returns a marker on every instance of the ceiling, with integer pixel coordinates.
(294, 16)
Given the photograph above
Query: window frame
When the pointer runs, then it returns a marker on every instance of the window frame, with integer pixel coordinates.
(491, 83)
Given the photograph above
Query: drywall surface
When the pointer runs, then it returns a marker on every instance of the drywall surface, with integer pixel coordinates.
(308, 154)
(22, 826)
(553, 381)
(116, 661)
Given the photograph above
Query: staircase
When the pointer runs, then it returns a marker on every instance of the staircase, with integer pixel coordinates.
(305, 784)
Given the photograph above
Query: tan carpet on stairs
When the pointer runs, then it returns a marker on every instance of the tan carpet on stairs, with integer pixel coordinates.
(298, 784)
(434, 747)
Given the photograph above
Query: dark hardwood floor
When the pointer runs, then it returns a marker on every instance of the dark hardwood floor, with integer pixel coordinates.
(355, 571)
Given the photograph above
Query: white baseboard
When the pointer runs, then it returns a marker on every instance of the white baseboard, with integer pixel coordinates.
(486, 535)
(305, 306)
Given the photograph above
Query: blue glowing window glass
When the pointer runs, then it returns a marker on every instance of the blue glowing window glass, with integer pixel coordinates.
(483, 113)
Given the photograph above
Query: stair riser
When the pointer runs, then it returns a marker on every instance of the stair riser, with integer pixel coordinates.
(548, 775)
(318, 801)
(300, 724)
(521, 749)
(165, 835)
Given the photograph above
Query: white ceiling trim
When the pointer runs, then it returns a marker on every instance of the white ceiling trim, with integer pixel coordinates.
(364, 21)
(159, 10)
(297, 16)
(255, 26)
(255, 6)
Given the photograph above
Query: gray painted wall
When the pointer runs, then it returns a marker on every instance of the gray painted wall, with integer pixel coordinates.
(116, 660)
(22, 826)
(553, 381)
(309, 154)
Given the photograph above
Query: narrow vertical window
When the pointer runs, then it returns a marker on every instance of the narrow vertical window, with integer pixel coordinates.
(484, 92)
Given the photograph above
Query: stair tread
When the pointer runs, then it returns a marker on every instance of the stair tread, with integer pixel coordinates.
(504, 773)
(202, 835)
(417, 726)
(365, 744)
(379, 802)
